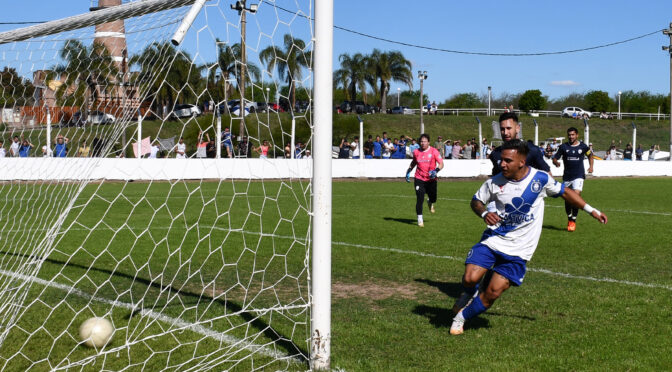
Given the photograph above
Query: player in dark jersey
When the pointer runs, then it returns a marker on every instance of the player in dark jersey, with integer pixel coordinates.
(572, 154)
(509, 128)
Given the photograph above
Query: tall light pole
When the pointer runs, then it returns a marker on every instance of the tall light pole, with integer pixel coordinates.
(489, 100)
(240, 7)
(398, 96)
(668, 32)
(422, 75)
(619, 105)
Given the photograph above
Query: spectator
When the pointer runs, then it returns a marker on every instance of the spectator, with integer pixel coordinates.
(548, 152)
(434, 108)
(611, 153)
(467, 150)
(3, 153)
(344, 149)
(61, 147)
(263, 150)
(154, 151)
(298, 150)
(638, 153)
(457, 149)
(181, 149)
(210, 148)
(14, 147)
(388, 148)
(399, 150)
(368, 148)
(308, 155)
(475, 154)
(403, 141)
(226, 142)
(385, 139)
(487, 150)
(84, 150)
(627, 153)
(288, 151)
(448, 149)
(377, 148)
(439, 146)
(244, 148)
(354, 146)
(24, 150)
(414, 145)
(653, 151)
(554, 145)
(201, 147)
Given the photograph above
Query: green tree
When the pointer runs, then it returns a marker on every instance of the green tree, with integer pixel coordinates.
(229, 59)
(386, 67)
(353, 75)
(464, 100)
(164, 73)
(86, 70)
(289, 62)
(15, 90)
(532, 100)
(597, 100)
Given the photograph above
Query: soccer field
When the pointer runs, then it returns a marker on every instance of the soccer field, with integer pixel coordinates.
(198, 275)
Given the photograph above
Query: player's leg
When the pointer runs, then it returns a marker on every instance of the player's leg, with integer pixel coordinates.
(479, 259)
(569, 209)
(431, 188)
(577, 185)
(419, 200)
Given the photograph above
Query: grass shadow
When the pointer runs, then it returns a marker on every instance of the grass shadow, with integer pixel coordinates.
(441, 317)
(551, 227)
(409, 221)
(452, 290)
(253, 319)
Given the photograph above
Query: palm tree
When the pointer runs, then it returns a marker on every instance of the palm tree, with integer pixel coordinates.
(164, 72)
(289, 62)
(387, 66)
(86, 71)
(229, 60)
(353, 71)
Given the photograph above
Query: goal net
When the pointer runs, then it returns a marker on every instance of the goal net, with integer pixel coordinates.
(199, 258)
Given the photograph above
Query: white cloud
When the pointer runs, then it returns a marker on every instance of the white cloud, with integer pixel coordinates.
(564, 83)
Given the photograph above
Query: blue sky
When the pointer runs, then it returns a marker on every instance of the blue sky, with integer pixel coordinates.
(482, 26)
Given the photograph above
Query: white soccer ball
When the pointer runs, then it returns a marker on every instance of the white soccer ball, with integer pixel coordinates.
(96, 332)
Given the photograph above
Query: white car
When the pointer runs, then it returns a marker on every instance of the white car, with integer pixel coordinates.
(568, 112)
(402, 110)
(186, 111)
(99, 117)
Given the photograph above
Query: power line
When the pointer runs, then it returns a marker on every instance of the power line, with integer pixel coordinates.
(491, 54)
(22, 23)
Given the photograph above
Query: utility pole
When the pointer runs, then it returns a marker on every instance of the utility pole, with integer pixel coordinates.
(422, 75)
(668, 32)
(240, 7)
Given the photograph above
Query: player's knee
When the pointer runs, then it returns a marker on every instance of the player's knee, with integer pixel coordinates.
(471, 278)
(491, 294)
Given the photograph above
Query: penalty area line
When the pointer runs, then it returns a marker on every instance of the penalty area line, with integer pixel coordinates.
(180, 324)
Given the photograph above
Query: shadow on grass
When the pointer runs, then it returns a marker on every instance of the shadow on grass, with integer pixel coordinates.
(441, 317)
(450, 289)
(253, 319)
(551, 227)
(409, 221)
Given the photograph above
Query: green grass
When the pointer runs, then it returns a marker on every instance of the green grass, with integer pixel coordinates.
(596, 299)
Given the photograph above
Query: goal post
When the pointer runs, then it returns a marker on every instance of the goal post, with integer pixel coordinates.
(207, 252)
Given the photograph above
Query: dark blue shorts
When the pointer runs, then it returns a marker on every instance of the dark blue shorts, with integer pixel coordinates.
(510, 267)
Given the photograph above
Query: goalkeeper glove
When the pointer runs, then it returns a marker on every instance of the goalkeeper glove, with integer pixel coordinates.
(408, 175)
(433, 173)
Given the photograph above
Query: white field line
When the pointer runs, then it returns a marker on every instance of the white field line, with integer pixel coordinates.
(432, 255)
(178, 324)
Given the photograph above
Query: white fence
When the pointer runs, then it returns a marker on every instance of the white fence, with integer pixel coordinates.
(544, 113)
(77, 169)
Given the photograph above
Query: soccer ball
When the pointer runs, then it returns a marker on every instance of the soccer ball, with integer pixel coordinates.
(96, 332)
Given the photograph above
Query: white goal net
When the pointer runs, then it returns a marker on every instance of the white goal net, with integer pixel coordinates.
(145, 191)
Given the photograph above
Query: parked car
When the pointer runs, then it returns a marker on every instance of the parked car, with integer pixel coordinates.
(568, 112)
(401, 110)
(99, 117)
(262, 107)
(249, 105)
(358, 107)
(74, 120)
(301, 106)
(186, 111)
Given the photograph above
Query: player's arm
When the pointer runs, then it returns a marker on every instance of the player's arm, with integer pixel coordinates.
(556, 157)
(590, 162)
(576, 200)
(479, 208)
(541, 163)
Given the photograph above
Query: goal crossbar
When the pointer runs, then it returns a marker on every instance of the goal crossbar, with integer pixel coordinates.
(124, 11)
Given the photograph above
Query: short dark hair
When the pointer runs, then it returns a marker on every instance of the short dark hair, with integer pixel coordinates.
(518, 145)
(572, 129)
(425, 135)
(507, 116)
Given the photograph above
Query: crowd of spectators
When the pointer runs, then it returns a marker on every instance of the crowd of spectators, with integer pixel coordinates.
(613, 152)
(402, 148)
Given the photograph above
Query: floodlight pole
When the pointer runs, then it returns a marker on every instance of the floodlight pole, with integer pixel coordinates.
(320, 325)
(361, 138)
(668, 32)
(480, 137)
(139, 146)
(219, 134)
(536, 132)
(586, 132)
(422, 75)
(48, 131)
(489, 100)
(634, 139)
(242, 11)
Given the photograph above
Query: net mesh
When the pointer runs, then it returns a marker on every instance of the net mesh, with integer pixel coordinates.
(196, 266)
